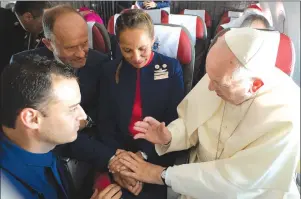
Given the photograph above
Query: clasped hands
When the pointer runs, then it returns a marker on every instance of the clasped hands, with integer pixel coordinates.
(116, 167)
(129, 169)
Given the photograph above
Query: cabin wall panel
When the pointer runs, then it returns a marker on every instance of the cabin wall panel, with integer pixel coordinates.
(215, 8)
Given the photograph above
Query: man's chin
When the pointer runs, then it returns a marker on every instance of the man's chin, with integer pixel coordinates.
(73, 138)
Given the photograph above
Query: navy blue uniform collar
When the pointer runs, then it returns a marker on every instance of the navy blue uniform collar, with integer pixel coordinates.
(42, 160)
(20, 164)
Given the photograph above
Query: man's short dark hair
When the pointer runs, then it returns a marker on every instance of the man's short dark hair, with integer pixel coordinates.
(27, 83)
(36, 8)
(255, 17)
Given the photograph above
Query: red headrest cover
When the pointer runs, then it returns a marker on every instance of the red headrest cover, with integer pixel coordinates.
(111, 25)
(184, 50)
(285, 56)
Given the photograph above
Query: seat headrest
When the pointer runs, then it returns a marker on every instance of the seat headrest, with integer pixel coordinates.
(201, 13)
(233, 14)
(173, 41)
(111, 24)
(197, 29)
(286, 55)
(255, 6)
(223, 21)
(156, 15)
(98, 37)
(236, 23)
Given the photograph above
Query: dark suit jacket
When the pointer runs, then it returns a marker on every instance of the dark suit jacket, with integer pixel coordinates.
(84, 148)
(159, 100)
(11, 36)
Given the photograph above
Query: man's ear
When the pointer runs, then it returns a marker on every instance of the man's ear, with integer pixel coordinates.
(47, 43)
(257, 84)
(30, 118)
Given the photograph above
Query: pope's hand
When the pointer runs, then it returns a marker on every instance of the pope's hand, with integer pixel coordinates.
(153, 131)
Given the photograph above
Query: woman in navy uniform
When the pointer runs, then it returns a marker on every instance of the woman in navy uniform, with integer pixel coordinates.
(141, 83)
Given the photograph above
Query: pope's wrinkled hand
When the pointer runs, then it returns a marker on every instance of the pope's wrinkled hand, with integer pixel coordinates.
(153, 131)
(141, 170)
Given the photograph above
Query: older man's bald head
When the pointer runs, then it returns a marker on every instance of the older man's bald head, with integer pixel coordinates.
(66, 34)
(61, 16)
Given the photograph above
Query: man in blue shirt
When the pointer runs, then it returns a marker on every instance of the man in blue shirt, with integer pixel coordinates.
(40, 108)
(152, 4)
(66, 40)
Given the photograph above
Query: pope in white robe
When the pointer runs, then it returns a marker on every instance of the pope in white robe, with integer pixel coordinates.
(244, 138)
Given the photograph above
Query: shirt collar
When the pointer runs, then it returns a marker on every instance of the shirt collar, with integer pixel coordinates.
(11, 150)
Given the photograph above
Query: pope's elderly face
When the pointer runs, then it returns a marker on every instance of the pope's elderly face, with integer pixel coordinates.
(221, 63)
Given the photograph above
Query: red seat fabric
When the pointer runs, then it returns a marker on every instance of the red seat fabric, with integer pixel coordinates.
(286, 55)
(99, 38)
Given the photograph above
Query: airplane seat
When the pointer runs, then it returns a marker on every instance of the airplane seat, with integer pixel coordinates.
(226, 18)
(198, 33)
(111, 24)
(232, 14)
(116, 52)
(205, 17)
(90, 15)
(98, 38)
(174, 41)
(286, 55)
(158, 16)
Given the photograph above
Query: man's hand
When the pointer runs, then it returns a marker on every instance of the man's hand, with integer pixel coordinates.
(149, 4)
(153, 131)
(141, 170)
(115, 165)
(112, 191)
(135, 189)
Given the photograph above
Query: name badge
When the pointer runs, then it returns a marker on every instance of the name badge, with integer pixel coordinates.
(161, 72)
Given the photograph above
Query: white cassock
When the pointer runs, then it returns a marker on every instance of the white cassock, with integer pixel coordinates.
(257, 144)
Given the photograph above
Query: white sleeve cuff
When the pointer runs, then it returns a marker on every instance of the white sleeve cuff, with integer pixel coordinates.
(167, 179)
